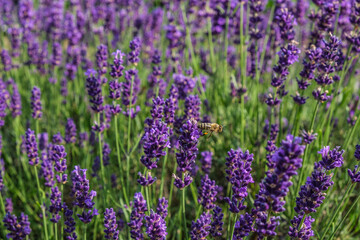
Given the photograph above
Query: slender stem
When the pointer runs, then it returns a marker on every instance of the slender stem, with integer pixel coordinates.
(85, 226)
(172, 185)
(335, 213)
(147, 195)
(163, 173)
(233, 228)
(183, 211)
(302, 222)
(128, 136)
(119, 160)
(55, 228)
(101, 158)
(2, 206)
(343, 219)
(44, 222)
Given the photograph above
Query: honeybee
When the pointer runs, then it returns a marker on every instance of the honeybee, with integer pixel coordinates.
(210, 127)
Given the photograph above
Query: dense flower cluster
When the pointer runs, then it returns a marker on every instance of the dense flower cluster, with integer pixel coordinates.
(18, 228)
(207, 193)
(110, 224)
(137, 216)
(31, 147)
(155, 226)
(201, 228)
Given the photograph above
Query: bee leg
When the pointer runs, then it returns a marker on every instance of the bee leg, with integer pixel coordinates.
(210, 134)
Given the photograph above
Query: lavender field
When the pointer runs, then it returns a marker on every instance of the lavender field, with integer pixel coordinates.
(174, 119)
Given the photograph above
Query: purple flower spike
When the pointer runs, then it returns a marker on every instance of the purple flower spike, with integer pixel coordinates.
(70, 131)
(354, 175)
(206, 159)
(47, 171)
(110, 224)
(309, 137)
(6, 60)
(87, 215)
(15, 104)
(192, 107)
(357, 152)
(9, 207)
(217, 222)
(162, 207)
(55, 206)
(171, 105)
(265, 227)
(305, 231)
(243, 227)
(117, 68)
(201, 228)
(93, 86)
(31, 147)
(137, 216)
(101, 59)
(2, 173)
(135, 46)
(207, 193)
(143, 181)
(155, 226)
(69, 223)
(58, 157)
(36, 103)
(18, 228)
(331, 158)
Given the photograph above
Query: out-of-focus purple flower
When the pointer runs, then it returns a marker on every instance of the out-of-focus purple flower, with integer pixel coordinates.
(56, 54)
(155, 226)
(130, 90)
(43, 140)
(110, 224)
(47, 171)
(298, 99)
(325, 18)
(188, 151)
(115, 89)
(162, 207)
(56, 205)
(357, 152)
(9, 207)
(353, 106)
(135, 46)
(137, 216)
(243, 226)
(117, 68)
(321, 96)
(59, 159)
(14, 33)
(286, 22)
(310, 64)
(201, 228)
(265, 227)
(206, 159)
(207, 193)
(70, 131)
(101, 59)
(36, 103)
(6, 60)
(308, 137)
(192, 107)
(354, 175)
(171, 105)
(93, 86)
(70, 224)
(271, 101)
(15, 103)
(18, 228)
(217, 222)
(331, 159)
(57, 138)
(305, 231)
(239, 175)
(83, 138)
(31, 147)
(184, 84)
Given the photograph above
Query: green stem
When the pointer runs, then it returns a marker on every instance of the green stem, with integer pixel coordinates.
(163, 173)
(101, 159)
(343, 219)
(85, 226)
(147, 197)
(335, 213)
(172, 185)
(55, 228)
(119, 160)
(183, 211)
(2, 207)
(128, 136)
(233, 228)
(302, 222)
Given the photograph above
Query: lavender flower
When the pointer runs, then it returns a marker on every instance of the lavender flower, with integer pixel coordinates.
(331, 158)
(101, 59)
(201, 228)
(135, 46)
(155, 226)
(309, 137)
(110, 224)
(56, 205)
(243, 226)
(206, 159)
(15, 102)
(14, 33)
(31, 147)
(207, 193)
(9, 207)
(192, 107)
(6, 60)
(357, 152)
(18, 228)
(70, 224)
(217, 222)
(137, 216)
(93, 86)
(57, 138)
(171, 105)
(130, 89)
(70, 131)
(117, 68)
(305, 231)
(47, 171)
(162, 207)
(184, 84)
(43, 140)
(146, 181)
(2, 173)
(354, 175)
(36, 103)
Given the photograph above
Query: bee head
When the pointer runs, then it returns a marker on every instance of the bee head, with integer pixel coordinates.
(220, 128)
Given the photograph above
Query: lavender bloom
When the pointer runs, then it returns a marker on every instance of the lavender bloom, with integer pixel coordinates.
(184, 84)
(310, 64)
(239, 175)
(36, 103)
(117, 68)
(171, 105)
(110, 224)
(357, 152)
(56, 205)
(201, 228)
(155, 226)
(70, 131)
(43, 140)
(93, 85)
(14, 33)
(137, 216)
(207, 193)
(206, 158)
(143, 181)
(18, 228)
(354, 175)
(101, 59)
(135, 46)
(162, 207)
(15, 102)
(286, 20)
(217, 222)
(80, 189)
(265, 227)
(192, 107)
(127, 98)
(70, 224)
(47, 171)
(256, 7)
(6, 60)
(243, 227)
(57, 138)
(9, 207)
(305, 231)
(308, 137)
(31, 147)
(331, 158)
(58, 157)
(320, 96)
(115, 90)
(56, 54)
(186, 157)
(83, 137)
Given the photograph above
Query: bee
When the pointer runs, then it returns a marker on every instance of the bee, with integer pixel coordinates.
(210, 127)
